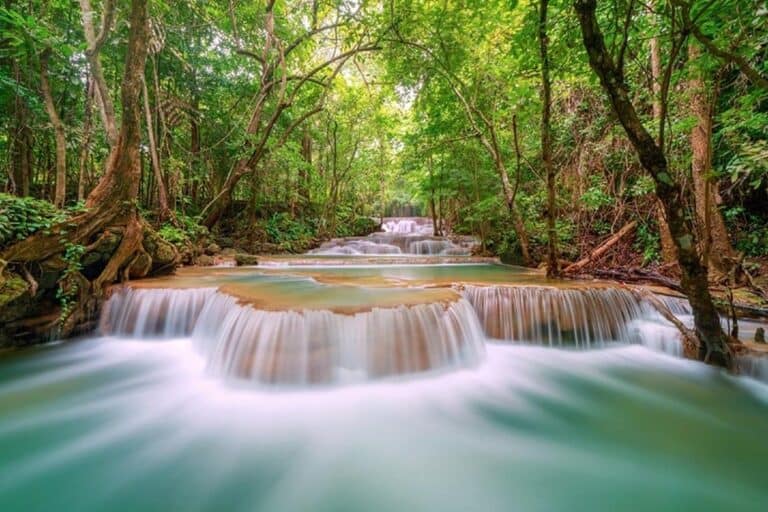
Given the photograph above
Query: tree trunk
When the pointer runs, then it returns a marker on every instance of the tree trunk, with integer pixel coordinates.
(111, 213)
(95, 41)
(86, 142)
(553, 269)
(716, 249)
(668, 251)
(60, 195)
(713, 347)
(162, 194)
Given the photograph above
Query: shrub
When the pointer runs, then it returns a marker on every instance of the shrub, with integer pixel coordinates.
(292, 235)
(187, 231)
(21, 217)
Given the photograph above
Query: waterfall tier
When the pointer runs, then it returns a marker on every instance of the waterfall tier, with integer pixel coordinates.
(301, 347)
(553, 316)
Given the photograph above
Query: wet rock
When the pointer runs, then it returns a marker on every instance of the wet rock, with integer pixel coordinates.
(164, 255)
(243, 259)
(212, 249)
(760, 335)
(13, 289)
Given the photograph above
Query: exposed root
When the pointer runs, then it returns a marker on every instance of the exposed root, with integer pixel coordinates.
(31, 280)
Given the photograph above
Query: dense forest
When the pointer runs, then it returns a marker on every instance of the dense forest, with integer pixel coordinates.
(616, 138)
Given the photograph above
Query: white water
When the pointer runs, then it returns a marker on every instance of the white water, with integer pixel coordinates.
(301, 347)
(317, 346)
(411, 236)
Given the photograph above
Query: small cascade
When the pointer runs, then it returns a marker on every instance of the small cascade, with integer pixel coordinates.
(410, 236)
(753, 365)
(430, 247)
(556, 317)
(408, 226)
(154, 312)
(677, 305)
(301, 347)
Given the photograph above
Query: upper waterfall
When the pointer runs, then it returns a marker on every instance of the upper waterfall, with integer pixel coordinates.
(410, 236)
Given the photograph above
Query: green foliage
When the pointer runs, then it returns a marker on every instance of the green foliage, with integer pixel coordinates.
(596, 196)
(647, 242)
(21, 217)
(69, 284)
(187, 232)
(292, 235)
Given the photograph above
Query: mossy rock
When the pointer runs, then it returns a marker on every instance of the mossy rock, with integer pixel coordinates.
(243, 259)
(12, 286)
(14, 297)
(163, 253)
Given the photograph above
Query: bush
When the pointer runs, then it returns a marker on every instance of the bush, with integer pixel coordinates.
(292, 235)
(185, 234)
(21, 217)
(356, 226)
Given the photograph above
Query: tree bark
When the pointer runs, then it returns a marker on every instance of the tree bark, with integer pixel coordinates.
(21, 142)
(668, 251)
(94, 43)
(716, 249)
(713, 347)
(86, 142)
(60, 194)
(162, 194)
(553, 268)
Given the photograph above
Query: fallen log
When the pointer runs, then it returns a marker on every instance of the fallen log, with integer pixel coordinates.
(602, 249)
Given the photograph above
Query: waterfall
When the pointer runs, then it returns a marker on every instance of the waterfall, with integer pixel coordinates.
(552, 316)
(301, 347)
(414, 236)
(753, 365)
(154, 312)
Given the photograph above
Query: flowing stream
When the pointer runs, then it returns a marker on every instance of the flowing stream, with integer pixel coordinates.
(341, 383)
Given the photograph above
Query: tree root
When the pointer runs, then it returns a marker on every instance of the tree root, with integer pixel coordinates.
(83, 297)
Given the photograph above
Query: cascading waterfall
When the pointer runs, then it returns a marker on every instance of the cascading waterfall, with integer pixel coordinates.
(301, 347)
(154, 312)
(413, 236)
(556, 317)
(321, 346)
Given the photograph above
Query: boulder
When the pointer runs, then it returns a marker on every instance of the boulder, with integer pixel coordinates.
(243, 259)
(212, 249)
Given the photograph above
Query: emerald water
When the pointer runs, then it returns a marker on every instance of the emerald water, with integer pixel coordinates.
(378, 388)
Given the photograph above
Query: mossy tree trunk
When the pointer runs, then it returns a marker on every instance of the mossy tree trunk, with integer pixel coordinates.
(111, 210)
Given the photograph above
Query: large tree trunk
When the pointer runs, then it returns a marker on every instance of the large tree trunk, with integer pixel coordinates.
(713, 347)
(111, 211)
(60, 193)
(716, 249)
(553, 269)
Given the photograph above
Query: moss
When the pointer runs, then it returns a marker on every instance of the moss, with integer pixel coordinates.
(163, 253)
(12, 286)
